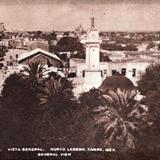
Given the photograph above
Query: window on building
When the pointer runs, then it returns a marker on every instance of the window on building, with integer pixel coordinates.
(123, 71)
(105, 71)
(10, 63)
(7, 63)
(133, 72)
(101, 73)
(10, 57)
(72, 75)
(114, 72)
(1, 65)
(83, 73)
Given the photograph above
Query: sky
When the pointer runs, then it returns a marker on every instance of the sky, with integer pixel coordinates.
(110, 15)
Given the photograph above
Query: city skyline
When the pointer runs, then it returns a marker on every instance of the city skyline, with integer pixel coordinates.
(46, 15)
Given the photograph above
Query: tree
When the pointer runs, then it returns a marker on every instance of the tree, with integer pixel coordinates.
(37, 111)
(56, 123)
(91, 99)
(131, 47)
(38, 34)
(19, 108)
(151, 45)
(21, 104)
(57, 91)
(18, 94)
(122, 117)
(56, 104)
(150, 80)
(3, 51)
(34, 72)
(104, 58)
(70, 44)
(149, 86)
(96, 113)
(88, 134)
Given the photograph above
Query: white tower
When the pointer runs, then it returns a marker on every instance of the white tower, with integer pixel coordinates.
(92, 73)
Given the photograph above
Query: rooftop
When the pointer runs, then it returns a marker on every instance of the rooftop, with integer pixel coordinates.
(35, 51)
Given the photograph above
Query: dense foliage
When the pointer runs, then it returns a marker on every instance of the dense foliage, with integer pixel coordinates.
(19, 107)
(149, 85)
(123, 118)
(3, 51)
(70, 44)
(36, 111)
(43, 112)
(116, 119)
(118, 47)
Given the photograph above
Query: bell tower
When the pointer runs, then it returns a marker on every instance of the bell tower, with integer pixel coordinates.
(92, 73)
(92, 44)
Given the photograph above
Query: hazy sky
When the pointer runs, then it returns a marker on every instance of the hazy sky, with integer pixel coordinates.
(111, 15)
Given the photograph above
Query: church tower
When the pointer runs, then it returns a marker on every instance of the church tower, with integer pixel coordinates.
(92, 44)
(92, 73)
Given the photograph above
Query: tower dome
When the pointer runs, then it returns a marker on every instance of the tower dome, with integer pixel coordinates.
(116, 81)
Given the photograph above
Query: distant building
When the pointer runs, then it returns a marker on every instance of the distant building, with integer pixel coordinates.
(142, 47)
(79, 29)
(80, 32)
(59, 35)
(155, 57)
(130, 68)
(42, 44)
(4, 42)
(2, 27)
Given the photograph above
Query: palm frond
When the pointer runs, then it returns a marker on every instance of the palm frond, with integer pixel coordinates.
(122, 116)
(114, 96)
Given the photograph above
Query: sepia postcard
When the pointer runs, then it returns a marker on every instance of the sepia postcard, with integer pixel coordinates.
(80, 79)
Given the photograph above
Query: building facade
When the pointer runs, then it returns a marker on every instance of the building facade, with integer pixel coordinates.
(41, 56)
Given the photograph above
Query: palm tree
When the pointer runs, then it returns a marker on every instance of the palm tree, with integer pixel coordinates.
(122, 118)
(56, 91)
(34, 72)
(58, 107)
